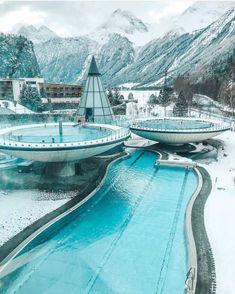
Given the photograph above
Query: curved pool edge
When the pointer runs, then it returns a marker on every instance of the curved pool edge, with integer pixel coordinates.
(192, 248)
(9, 256)
(201, 278)
(191, 245)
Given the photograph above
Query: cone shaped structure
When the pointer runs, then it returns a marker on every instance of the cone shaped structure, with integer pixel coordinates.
(94, 102)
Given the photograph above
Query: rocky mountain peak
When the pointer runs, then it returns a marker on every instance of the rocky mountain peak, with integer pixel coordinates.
(124, 21)
(37, 35)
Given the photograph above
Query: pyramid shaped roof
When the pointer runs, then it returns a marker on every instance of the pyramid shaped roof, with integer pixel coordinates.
(94, 103)
(93, 70)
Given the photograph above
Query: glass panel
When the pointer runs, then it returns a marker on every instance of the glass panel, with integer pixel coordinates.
(107, 111)
(83, 100)
(91, 87)
(96, 88)
(98, 100)
(98, 111)
(104, 100)
(86, 85)
(89, 101)
(81, 111)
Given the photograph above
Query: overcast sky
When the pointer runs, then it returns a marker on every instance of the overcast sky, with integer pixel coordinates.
(68, 18)
(80, 17)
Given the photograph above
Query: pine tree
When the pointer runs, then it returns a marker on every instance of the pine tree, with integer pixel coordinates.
(164, 95)
(110, 96)
(116, 97)
(188, 92)
(181, 106)
(23, 98)
(130, 96)
(182, 84)
(29, 97)
(121, 98)
(152, 100)
(179, 84)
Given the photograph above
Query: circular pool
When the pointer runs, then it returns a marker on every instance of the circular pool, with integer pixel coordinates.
(51, 133)
(178, 130)
(51, 143)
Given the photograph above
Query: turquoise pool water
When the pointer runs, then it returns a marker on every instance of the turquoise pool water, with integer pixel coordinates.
(49, 134)
(175, 124)
(128, 238)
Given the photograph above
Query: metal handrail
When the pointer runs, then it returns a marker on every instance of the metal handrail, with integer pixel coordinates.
(7, 140)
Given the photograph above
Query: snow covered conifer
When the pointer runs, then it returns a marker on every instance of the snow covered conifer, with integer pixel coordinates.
(181, 105)
(130, 96)
(164, 95)
(29, 97)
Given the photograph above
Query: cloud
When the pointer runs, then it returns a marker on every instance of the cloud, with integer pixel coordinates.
(22, 16)
(71, 18)
(171, 8)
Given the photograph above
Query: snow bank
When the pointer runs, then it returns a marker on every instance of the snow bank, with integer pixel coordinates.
(220, 214)
(19, 209)
(17, 109)
(141, 96)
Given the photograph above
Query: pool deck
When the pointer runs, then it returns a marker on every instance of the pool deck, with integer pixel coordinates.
(206, 276)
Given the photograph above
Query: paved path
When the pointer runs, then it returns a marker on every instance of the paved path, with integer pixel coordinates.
(206, 278)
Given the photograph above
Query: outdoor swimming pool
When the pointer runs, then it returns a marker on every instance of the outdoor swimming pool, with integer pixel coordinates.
(50, 134)
(176, 124)
(128, 238)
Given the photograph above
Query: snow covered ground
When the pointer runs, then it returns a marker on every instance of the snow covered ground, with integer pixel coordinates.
(19, 209)
(17, 109)
(141, 96)
(220, 214)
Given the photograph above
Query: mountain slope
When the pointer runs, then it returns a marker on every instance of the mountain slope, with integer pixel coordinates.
(196, 17)
(42, 34)
(122, 21)
(17, 57)
(199, 53)
(115, 56)
(194, 53)
(125, 24)
(155, 58)
(201, 14)
(63, 59)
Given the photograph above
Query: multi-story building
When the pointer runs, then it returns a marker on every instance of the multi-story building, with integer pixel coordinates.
(60, 93)
(55, 93)
(10, 88)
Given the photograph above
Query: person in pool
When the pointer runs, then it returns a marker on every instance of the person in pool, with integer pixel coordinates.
(79, 122)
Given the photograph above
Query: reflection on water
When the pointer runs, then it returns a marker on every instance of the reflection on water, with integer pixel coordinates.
(129, 238)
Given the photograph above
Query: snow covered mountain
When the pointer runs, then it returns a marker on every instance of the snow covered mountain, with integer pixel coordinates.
(122, 21)
(201, 14)
(198, 16)
(17, 57)
(125, 24)
(63, 59)
(35, 35)
(199, 53)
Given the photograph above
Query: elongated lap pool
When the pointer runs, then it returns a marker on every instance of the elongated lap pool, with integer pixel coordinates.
(128, 238)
